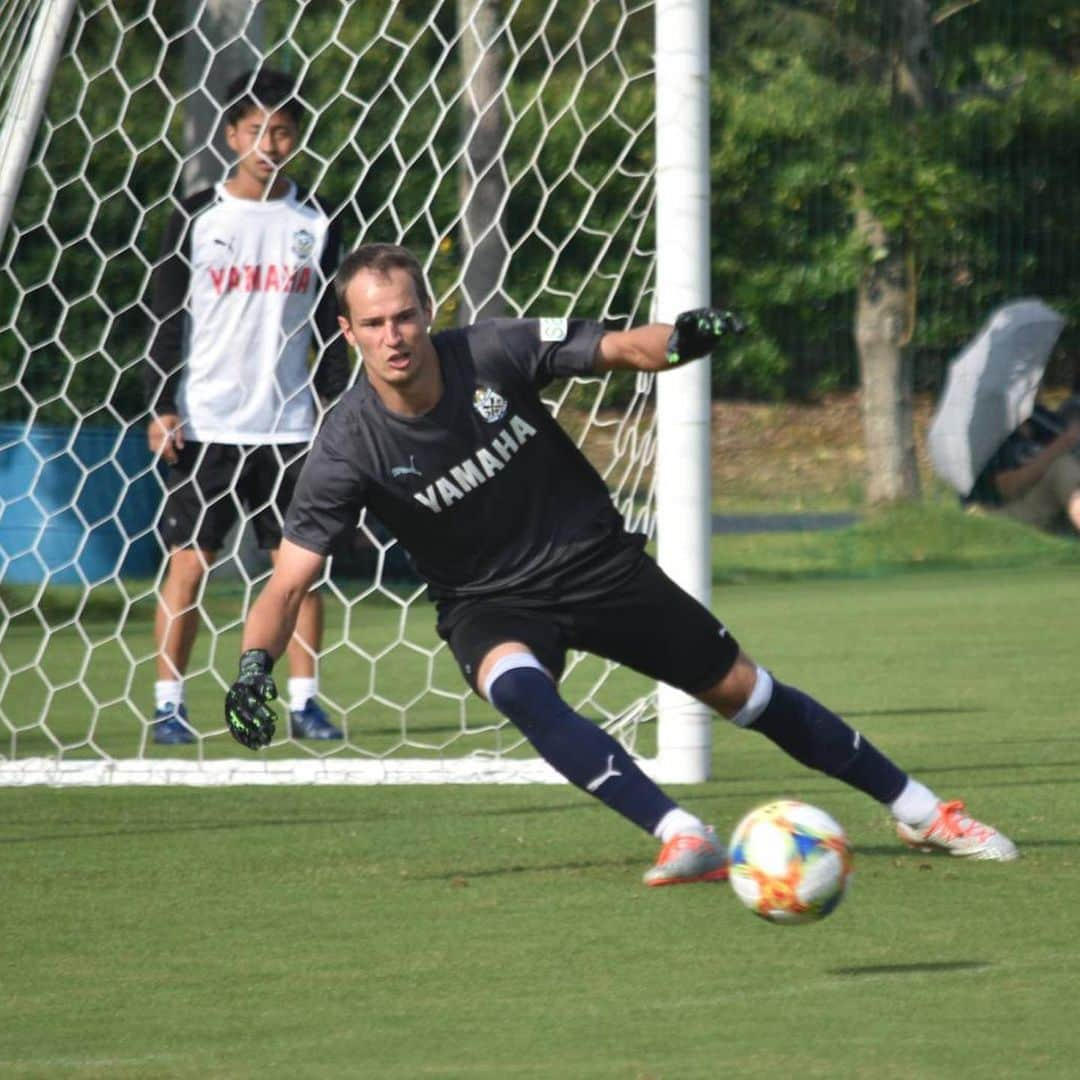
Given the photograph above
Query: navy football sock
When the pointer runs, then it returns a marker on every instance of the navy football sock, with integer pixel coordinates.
(584, 753)
(818, 738)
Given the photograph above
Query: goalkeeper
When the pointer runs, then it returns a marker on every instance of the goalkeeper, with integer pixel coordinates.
(446, 440)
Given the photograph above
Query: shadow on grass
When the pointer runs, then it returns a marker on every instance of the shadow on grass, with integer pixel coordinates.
(187, 827)
(462, 876)
(1011, 766)
(942, 967)
(1039, 845)
(942, 861)
(512, 811)
(899, 850)
(912, 711)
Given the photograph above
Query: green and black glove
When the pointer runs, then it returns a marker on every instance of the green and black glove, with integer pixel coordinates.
(250, 719)
(697, 332)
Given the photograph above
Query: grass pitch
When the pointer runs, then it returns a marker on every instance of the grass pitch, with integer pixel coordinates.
(503, 932)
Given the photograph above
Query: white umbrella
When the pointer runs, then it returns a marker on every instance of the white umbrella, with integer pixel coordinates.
(991, 389)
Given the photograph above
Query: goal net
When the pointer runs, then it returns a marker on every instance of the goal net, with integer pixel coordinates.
(512, 145)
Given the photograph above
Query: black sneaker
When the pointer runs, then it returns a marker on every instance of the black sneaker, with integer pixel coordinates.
(311, 722)
(171, 726)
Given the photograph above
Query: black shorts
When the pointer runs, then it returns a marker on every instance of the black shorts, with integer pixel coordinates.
(643, 621)
(211, 484)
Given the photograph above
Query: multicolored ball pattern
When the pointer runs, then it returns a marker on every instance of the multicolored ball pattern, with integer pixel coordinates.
(790, 862)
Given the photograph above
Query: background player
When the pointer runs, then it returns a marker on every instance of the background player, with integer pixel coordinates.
(527, 556)
(246, 272)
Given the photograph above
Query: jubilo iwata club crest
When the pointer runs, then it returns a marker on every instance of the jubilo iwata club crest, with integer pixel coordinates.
(488, 404)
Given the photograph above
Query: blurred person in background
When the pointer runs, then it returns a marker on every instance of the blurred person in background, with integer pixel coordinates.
(244, 282)
(1034, 476)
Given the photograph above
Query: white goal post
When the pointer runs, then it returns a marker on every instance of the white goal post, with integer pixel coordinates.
(541, 158)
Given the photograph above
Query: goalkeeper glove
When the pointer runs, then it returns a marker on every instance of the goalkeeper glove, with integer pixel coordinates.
(250, 720)
(697, 332)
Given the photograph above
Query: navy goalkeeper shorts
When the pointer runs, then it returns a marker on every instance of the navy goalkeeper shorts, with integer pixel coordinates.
(640, 618)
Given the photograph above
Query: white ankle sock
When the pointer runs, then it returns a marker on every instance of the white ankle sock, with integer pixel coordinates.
(301, 691)
(674, 822)
(168, 692)
(916, 805)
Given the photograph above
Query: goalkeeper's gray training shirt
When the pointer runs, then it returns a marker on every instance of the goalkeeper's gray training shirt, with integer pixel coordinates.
(486, 491)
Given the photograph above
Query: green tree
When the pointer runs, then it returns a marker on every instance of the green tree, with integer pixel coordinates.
(78, 255)
(974, 196)
(885, 169)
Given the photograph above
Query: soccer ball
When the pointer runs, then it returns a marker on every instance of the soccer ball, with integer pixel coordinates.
(789, 862)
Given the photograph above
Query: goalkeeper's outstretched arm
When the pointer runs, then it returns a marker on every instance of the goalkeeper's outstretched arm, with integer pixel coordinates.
(272, 618)
(659, 346)
(639, 349)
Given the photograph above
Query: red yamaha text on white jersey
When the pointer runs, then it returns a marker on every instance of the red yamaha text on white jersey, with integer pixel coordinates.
(248, 281)
(257, 278)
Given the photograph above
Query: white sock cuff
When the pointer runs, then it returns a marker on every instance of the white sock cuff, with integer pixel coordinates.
(508, 663)
(168, 692)
(674, 822)
(301, 690)
(756, 703)
(915, 805)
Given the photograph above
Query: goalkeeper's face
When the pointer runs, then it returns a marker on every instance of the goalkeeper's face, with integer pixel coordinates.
(390, 326)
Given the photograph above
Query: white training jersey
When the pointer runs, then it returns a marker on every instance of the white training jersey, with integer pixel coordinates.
(240, 291)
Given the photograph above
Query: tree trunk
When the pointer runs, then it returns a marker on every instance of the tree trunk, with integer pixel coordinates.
(224, 40)
(886, 298)
(913, 58)
(482, 182)
(884, 308)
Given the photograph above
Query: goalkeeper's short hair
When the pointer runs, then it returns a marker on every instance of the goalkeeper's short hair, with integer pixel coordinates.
(380, 259)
